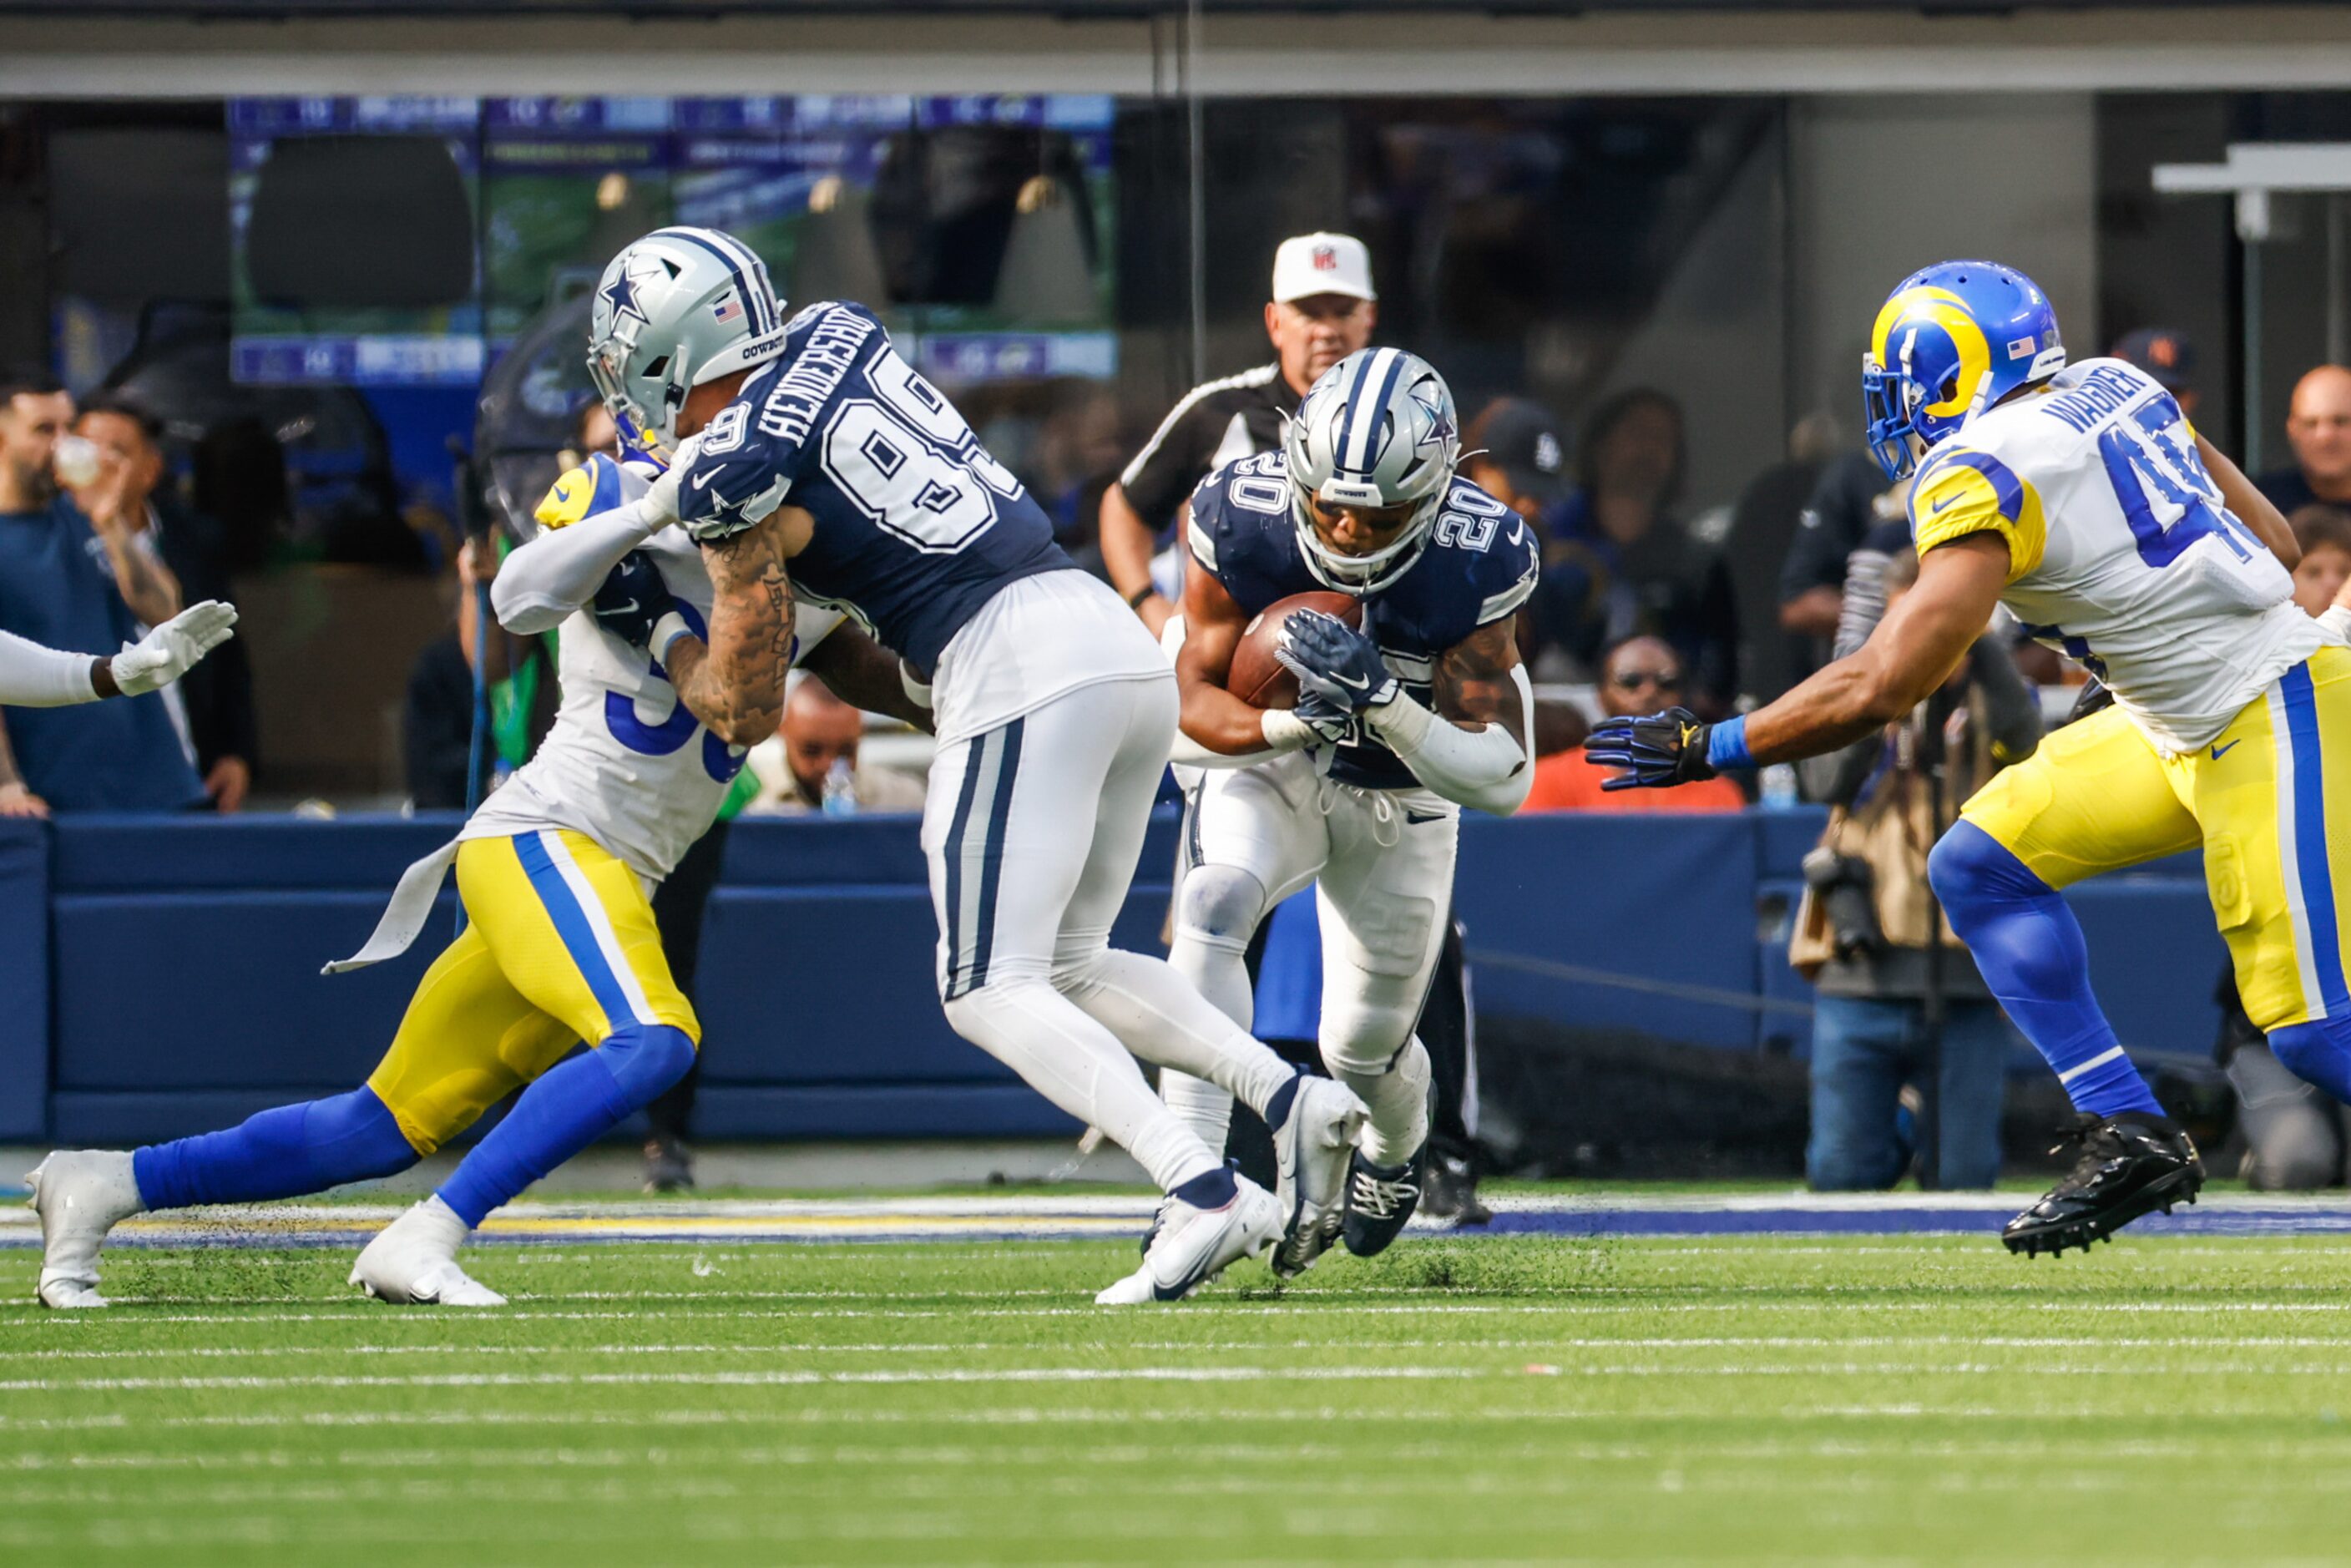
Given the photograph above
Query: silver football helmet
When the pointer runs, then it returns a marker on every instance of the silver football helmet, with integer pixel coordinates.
(674, 310)
(1377, 430)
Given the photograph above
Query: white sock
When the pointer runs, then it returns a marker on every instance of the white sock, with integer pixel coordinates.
(438, 1225)
(1398, 1099)
(1075, 1063)
(1159, 1015)
(1205, 1109)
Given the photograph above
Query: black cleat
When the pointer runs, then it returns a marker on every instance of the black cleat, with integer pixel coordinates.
(2129, 1165)
(1450, 1192)
(669, 1166)
(1380, 1200)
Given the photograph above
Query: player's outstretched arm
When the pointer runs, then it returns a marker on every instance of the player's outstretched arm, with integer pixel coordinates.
(540, 583)
(1913, 651)
(35, 676)
(864, 674)
(735, 684)
(2250, 505)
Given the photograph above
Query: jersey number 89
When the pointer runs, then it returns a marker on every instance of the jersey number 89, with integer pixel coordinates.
(911, 463)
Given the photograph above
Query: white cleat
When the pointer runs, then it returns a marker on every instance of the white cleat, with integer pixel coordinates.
(1311, 1149)
(79, 1196)
(1196, 1245)
(413, 1262)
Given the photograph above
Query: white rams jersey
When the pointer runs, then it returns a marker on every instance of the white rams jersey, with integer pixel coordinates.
(2121, 552)
(627, 763)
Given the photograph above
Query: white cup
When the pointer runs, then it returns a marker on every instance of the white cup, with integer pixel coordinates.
(78, 462)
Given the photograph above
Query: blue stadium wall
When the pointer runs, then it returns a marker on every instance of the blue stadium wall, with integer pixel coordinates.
(160, 976)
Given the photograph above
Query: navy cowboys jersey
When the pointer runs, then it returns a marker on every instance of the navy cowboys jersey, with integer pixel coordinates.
(1479, 568)
(916, 526)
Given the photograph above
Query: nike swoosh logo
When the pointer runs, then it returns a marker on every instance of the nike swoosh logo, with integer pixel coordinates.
(2233, 746)
(1357, 685)
(701, 481)
(628, 609)
(1518, 533)
(1943, 505)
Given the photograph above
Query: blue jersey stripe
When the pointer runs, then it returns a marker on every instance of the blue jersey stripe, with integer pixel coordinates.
(571, 926)
(2008, 492)
(975, 757)
(991, 863)
(2310, 835)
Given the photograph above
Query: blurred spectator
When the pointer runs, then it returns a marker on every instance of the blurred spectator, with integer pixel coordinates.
(1640, 674)
(1515, 451)
(2324, 535)
(1763, 526)
(811, 763)
(1852, 497)
(438, 722)
(2318, 428)
(79, 582)
(1872, 940)
(213, 706)
(2168, 357)
(1617, 563)
(1323, 308)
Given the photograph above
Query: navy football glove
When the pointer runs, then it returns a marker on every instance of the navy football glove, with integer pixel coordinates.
(1335, 662)
(632, 598)
(1656, 751)
(1332, 724)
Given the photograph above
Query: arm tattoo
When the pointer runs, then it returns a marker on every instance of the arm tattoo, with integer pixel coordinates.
(738, 689)
(1474, 686)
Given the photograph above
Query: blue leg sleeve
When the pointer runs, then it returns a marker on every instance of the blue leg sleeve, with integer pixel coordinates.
(2317, 1052)
(2030, 949)
(577, 1102)
(289, 1152)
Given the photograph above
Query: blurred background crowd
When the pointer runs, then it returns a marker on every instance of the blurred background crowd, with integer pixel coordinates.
(318, 356)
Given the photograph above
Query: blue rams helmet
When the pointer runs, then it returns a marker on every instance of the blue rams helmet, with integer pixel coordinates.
(1951, 340)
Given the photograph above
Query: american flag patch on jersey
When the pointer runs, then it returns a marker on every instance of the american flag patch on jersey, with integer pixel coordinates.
(727, 311)
(2020, 347)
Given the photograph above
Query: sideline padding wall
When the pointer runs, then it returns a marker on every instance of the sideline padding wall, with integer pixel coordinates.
(161, 974)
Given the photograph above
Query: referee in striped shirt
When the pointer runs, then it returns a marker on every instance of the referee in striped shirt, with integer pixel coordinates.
(1322, 309)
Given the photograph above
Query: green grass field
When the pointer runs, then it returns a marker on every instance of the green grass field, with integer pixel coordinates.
(1872, 1400)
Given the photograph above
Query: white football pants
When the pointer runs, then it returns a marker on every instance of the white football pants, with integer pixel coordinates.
(1032, 830)
(1382, 861)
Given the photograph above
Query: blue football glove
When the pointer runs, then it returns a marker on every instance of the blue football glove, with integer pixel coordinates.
(1656, 752)
(633, 597)
(1335, 662)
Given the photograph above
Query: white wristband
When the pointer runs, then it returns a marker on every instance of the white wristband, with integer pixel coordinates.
(1284, 730)
(667, 631)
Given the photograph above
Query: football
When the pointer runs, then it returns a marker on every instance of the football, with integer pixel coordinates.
(1256, 677)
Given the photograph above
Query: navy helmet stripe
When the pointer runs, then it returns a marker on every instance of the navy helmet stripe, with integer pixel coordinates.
(755, 300)
(1348, 438)
(1379, 405)
(991, 865)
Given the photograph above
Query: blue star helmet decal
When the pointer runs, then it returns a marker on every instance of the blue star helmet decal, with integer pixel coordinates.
(622, 295)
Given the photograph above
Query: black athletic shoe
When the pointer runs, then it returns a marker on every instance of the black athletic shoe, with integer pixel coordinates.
(2129, 1165)
(1380, 1199)
(1451, 1192)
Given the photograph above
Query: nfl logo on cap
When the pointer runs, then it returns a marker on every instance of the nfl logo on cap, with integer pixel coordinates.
(1308, 265)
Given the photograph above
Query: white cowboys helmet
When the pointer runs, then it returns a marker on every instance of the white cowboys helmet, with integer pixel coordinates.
(1377, 431)
(674, 310)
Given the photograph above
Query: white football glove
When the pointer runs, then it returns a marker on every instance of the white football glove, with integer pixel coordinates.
(173, 649)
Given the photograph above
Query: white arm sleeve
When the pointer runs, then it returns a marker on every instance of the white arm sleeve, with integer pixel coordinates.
(1486, 767)
(561, 570)
(35, 676)
(2336, 618)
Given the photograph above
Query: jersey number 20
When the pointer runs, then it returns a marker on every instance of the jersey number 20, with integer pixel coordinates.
(911, 463)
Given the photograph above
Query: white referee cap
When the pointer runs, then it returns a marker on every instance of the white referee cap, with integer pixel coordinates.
(1322, 264)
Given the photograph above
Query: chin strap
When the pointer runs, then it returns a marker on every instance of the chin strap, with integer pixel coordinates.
(1485, 769)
